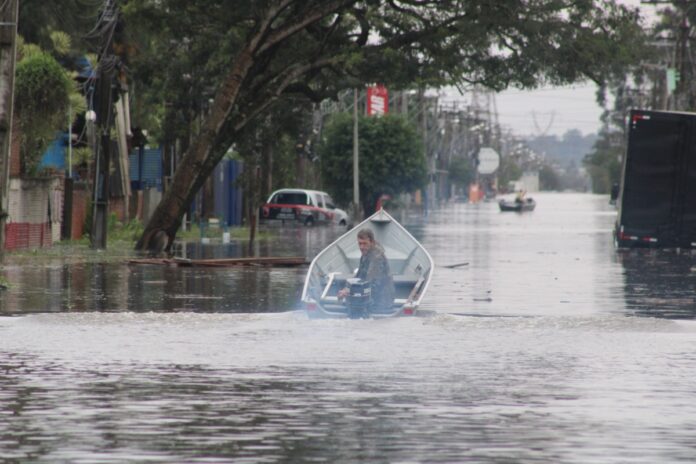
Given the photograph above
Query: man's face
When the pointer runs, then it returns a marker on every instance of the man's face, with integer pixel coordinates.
(364, 244)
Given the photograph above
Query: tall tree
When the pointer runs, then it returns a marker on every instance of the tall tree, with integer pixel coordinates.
(392, 159)
(461, 171)
(42, 95)
(603, 164)
(39, 18)
(255, 52)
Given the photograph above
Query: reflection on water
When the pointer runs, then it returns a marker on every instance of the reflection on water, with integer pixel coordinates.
(53, 286)
(540, 343)
(558, 259)
(660, 283)
(120, 287)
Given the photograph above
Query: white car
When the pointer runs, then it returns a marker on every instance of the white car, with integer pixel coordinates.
(308, 207)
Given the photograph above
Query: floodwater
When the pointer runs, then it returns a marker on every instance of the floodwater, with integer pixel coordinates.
(538, 343)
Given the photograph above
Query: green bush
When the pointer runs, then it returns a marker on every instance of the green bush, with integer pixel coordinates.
(117, 231)
(42, 97)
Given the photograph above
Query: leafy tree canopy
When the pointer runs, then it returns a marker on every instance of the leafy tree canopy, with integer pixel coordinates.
(549, 178)
(603, 163)
(392, 160)
(52, 37)
(42, 95)
(461, 171)
(67, 29)
(508, 171)
(240, 56)
(317, 47)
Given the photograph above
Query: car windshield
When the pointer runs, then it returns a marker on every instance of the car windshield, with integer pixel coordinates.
(290, 198)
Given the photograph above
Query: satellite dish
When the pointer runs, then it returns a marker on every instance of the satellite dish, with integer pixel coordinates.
(489, 160)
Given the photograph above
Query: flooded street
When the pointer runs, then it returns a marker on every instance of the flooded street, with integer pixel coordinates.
(538, 342)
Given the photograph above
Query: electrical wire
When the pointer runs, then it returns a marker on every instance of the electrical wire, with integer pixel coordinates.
(109, 8)
(87, 12)
(106, 62)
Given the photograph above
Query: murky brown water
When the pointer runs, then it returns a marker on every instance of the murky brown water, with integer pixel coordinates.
(547, 346)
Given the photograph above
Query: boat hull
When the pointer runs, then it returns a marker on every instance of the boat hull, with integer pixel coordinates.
(518, 207)
(409, 262)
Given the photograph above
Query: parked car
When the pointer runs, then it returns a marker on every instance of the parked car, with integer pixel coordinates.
(308, 207)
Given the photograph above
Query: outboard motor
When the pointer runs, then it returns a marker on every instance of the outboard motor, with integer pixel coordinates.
(359, 298)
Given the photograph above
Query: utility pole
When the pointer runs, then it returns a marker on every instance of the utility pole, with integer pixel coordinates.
(683, 63)
(424, 131)
(356, 163)
(104, 98)
(8, 56)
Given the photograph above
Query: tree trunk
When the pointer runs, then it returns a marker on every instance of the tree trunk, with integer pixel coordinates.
(203, 155)
(252, 230)
(268, 164)
(198, 162)
(254, 187)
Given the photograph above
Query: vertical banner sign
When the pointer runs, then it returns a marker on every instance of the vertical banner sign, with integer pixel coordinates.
(377, 100)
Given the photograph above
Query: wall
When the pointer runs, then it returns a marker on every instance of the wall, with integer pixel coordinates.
(35, 213)
(227, 193)
(530, 181)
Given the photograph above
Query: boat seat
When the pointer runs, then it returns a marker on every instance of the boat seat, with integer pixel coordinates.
(405, 287)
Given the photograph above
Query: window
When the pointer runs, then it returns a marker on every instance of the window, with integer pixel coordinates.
(329, 202)
(290, 198)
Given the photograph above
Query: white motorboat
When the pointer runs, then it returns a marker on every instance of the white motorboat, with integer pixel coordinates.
(410, 264)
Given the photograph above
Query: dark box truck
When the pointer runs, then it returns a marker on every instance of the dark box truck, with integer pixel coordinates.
(657, 200)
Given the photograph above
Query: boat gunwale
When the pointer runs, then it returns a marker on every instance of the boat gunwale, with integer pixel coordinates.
(353, 231)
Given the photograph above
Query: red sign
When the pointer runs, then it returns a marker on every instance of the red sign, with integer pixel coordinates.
(377, 100)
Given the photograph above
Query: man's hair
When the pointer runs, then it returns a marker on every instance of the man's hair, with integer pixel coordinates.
(366, 233)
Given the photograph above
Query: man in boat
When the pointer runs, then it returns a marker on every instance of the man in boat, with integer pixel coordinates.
(520, 196)
(374, 268)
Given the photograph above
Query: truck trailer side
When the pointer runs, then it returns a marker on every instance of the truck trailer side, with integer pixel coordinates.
(657, 199)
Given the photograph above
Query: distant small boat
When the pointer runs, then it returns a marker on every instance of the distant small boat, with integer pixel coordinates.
(410, 264)
(527, 204)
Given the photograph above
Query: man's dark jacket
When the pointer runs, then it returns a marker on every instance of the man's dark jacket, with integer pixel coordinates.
(374, 268)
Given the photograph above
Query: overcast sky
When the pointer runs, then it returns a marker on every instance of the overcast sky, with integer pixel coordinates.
(554, 111)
